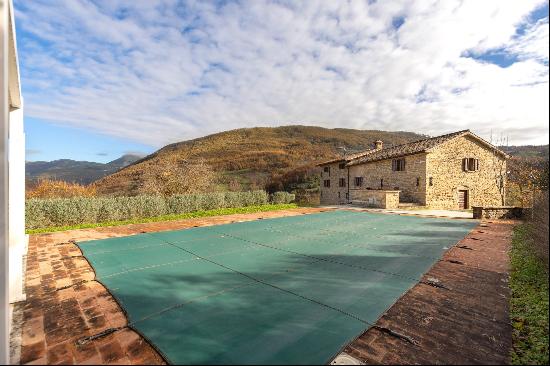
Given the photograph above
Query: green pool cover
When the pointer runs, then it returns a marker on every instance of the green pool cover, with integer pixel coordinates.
(291, 290)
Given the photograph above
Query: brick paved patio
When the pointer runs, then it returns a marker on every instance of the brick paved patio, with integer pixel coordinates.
(467, 323)
(64, 304)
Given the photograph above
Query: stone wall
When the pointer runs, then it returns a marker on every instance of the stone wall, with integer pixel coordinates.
(500, 212)
(444, 166)
(335, 194)
(375, 198)
(411, 182)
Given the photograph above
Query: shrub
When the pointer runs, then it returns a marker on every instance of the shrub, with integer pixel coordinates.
(48, 188)
(282, 197)
(80, 210)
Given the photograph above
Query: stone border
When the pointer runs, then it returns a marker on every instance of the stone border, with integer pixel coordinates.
(500, 212)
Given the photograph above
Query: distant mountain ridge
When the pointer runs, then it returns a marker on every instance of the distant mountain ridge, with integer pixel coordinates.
(83, 172)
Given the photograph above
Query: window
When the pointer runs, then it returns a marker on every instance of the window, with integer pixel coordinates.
(342, 165)
(382, 183)
(398, 165)
(326, 183)
(358, 181)
(327, 170)
(470, 164)
(342, 182)
(417, 182)
(431, 181)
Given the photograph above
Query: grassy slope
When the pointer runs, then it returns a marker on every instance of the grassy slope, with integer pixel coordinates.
(249, 153)
(529, 302)
(208, 213)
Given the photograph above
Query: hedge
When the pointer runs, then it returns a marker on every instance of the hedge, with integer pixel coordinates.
(80, 210)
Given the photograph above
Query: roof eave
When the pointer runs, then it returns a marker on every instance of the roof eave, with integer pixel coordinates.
(480, 139)
(14, 84)
(352, 163)
(331, 162)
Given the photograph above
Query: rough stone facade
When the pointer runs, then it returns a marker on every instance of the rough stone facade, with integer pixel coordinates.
(433, 177)
(444, 166)
(379, 175)
(335, 194)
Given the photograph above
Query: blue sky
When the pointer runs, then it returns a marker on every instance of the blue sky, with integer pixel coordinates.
(106, 77)
(48, 141)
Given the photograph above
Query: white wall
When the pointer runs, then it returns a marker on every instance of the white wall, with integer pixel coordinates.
(4, 108)
(16, 208)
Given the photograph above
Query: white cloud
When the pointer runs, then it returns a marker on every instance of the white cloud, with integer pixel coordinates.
(161, 72)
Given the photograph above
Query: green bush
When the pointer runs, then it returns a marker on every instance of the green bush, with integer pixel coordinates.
(282, 197)
(50, 212)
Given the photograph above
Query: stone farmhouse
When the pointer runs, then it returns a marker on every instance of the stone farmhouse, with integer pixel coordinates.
(454, 171)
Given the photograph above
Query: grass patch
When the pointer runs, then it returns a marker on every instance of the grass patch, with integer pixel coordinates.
(190, 215)
(529, 301)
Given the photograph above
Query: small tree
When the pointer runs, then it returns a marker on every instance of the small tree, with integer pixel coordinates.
(527, 176)
(499, 168)
(234, 185)
(181, 176)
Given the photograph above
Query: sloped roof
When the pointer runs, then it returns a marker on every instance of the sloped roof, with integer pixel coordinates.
(417, 147)
(348, 157)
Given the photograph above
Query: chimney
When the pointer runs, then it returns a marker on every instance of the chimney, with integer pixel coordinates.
(378, 144)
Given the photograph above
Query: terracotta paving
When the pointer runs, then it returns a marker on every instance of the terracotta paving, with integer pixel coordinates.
(465, 323)
(64, 304)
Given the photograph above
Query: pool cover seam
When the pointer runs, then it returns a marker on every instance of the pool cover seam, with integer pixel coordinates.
(195, 299)
(327, 260)
(357, 246)
(276, 287)
(176, 262)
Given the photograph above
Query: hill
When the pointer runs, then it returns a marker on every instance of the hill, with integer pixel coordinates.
(246, 158)
(528, 151)
(83, 172)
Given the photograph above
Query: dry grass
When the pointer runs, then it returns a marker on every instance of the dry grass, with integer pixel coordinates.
(47, 188)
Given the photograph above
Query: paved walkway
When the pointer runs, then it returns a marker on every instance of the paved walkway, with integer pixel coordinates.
(466, 322)
(417, 212)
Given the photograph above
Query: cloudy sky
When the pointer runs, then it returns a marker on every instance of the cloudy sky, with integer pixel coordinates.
(105, 77)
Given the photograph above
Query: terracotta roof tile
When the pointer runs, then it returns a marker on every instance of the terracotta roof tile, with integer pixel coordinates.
(414, 147)
(409, 148)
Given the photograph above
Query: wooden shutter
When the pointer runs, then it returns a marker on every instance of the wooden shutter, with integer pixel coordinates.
(477, 164)
(465, 164)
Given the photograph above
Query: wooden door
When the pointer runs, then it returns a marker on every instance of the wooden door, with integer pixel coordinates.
(463, 200)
